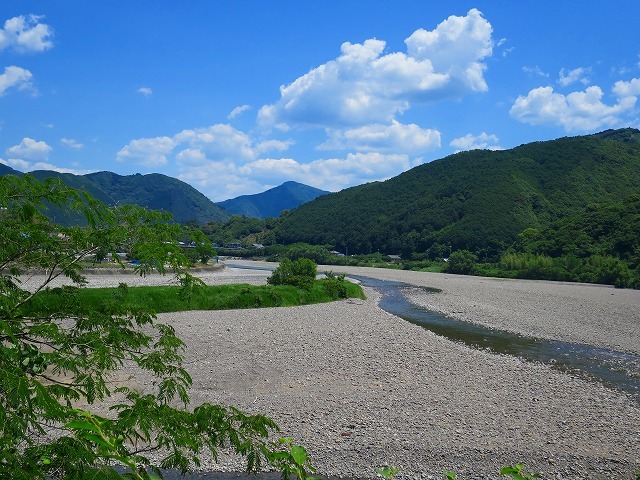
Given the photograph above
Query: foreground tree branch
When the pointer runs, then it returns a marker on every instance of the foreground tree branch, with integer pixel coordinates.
(59, 353)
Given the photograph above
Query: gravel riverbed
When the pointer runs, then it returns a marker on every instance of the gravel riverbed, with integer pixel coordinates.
(361, 388)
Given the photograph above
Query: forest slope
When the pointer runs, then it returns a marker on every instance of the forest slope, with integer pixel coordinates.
(478, 200)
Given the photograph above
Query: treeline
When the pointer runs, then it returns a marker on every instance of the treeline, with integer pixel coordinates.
(601, 244)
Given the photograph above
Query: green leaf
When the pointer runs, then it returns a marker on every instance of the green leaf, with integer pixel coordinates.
(83, 425)
(299, 454)
(387, 472)
(98, 440)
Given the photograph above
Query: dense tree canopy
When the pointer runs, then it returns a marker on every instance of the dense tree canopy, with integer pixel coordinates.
(478, 200)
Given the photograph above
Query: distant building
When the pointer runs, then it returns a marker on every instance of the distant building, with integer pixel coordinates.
(257, 246)
(235, 246)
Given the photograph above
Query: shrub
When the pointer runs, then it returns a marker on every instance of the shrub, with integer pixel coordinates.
(335, 285)
(462, 261)
(300, 273)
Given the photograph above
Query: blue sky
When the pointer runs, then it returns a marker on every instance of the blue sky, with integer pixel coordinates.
(235, 97)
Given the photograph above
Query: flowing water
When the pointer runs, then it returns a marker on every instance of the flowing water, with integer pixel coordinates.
(614, 369)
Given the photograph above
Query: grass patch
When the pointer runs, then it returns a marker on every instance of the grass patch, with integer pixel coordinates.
(162, 299)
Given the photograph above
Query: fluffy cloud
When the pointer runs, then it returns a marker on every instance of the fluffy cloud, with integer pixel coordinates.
(150, 152)
(273, 146)
(456, 47)
(394, 138)
(223, 180)
(223, 162)
(574, 76)
(364, 86)
(17, 163)
(146, 91)
(26, 34)
(30, 149)
(15, 77)
(577, 111)
(220, 143)
(483, 141)
(627, 89)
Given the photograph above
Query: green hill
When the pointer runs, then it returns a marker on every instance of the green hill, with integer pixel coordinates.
(154, 191)
(272, 202)
(478, 200)
(160, 192)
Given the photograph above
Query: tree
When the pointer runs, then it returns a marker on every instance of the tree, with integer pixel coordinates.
(462, 261)
(59, 354)
(300, 273)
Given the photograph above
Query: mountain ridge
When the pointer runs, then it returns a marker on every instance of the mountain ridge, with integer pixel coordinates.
(161, 192)
(272, 202)
(478, 200)
(154, 191)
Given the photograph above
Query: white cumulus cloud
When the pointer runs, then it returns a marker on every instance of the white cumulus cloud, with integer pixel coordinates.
(223, 162)
(15, 77)
(393, 138)
(364, 85)
(30, 149)
(223, 180)
(26, 166)
(484, 141)
(150, 152)
(577, 111)
(627, 89)
(146, 91)
(219, 143)
(26, 34)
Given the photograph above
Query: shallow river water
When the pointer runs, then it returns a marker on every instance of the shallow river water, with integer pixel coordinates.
(615, 369)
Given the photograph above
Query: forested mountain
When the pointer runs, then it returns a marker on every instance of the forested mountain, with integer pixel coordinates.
(160, 192)
(478, 200)
(272, 202)
(154, 191)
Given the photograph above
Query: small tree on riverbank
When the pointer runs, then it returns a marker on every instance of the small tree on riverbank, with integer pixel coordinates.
(55, 362)
(300, 273)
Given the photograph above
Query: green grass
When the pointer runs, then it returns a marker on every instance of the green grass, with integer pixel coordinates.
(160, 299)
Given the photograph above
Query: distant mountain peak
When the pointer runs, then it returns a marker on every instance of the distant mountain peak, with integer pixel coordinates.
(272, 202)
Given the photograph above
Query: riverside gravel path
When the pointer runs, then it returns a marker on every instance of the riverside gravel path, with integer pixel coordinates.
(361, 388)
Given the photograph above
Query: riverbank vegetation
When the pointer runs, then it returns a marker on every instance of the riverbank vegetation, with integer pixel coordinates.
(598, 244)
(162, 299)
